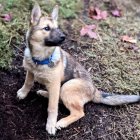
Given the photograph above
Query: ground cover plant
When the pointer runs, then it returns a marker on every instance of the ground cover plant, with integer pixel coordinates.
(104, 36)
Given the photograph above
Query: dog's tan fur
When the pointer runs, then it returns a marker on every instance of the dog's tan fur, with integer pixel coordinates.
(77, 88)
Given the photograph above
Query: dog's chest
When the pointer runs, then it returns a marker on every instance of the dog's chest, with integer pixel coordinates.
(42, 74)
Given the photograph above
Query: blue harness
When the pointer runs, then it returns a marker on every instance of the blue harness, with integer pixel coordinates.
(50, 61)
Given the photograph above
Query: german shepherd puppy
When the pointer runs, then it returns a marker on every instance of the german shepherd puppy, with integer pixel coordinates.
(63, 77)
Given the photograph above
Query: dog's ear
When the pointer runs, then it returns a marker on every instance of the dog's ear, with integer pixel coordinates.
(55, 13)
(36, 14)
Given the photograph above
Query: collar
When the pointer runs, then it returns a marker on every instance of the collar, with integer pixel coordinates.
(50, 61)
(54, 58)
(46, 61)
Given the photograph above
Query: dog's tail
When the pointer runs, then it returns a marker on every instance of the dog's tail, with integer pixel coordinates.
(114, 99)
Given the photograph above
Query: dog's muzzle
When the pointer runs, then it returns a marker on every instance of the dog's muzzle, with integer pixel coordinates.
(55, 38)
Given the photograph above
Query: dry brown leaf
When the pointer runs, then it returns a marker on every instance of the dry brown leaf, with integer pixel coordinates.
(126, 38)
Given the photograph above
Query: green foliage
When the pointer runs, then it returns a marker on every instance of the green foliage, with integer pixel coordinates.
(9, 4)
(68, 8)
(5, 50)
(12, 32)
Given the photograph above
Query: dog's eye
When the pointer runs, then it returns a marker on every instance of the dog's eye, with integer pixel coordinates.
(47, 28)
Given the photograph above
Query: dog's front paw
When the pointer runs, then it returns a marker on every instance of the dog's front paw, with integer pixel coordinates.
(21, 94)
(50, 128)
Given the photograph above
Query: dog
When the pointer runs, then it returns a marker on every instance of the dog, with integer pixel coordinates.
(64, 78)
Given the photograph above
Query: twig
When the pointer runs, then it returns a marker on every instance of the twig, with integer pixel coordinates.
(13, 106)
(81, 20)
(17, 48)
(9, 41)
(20, 55)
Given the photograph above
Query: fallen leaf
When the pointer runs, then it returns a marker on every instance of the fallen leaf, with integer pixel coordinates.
(88, 30)
(6, 17)
(116, 13)
(104, 14)
(97, 14)
(92, 34)
(126, 38)
(91, 11)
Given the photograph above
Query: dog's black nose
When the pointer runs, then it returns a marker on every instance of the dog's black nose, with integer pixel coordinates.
(62, 37)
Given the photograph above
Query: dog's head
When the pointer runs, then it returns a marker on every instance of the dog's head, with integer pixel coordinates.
(43, 29)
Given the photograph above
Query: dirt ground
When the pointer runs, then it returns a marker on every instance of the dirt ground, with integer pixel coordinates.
(26, 119)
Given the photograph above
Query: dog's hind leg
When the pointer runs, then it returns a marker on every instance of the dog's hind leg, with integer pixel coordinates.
(43, 93)
(74, 95)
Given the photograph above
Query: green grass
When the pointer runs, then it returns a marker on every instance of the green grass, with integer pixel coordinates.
(5, 50)
(11, 32)
(113, 65)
